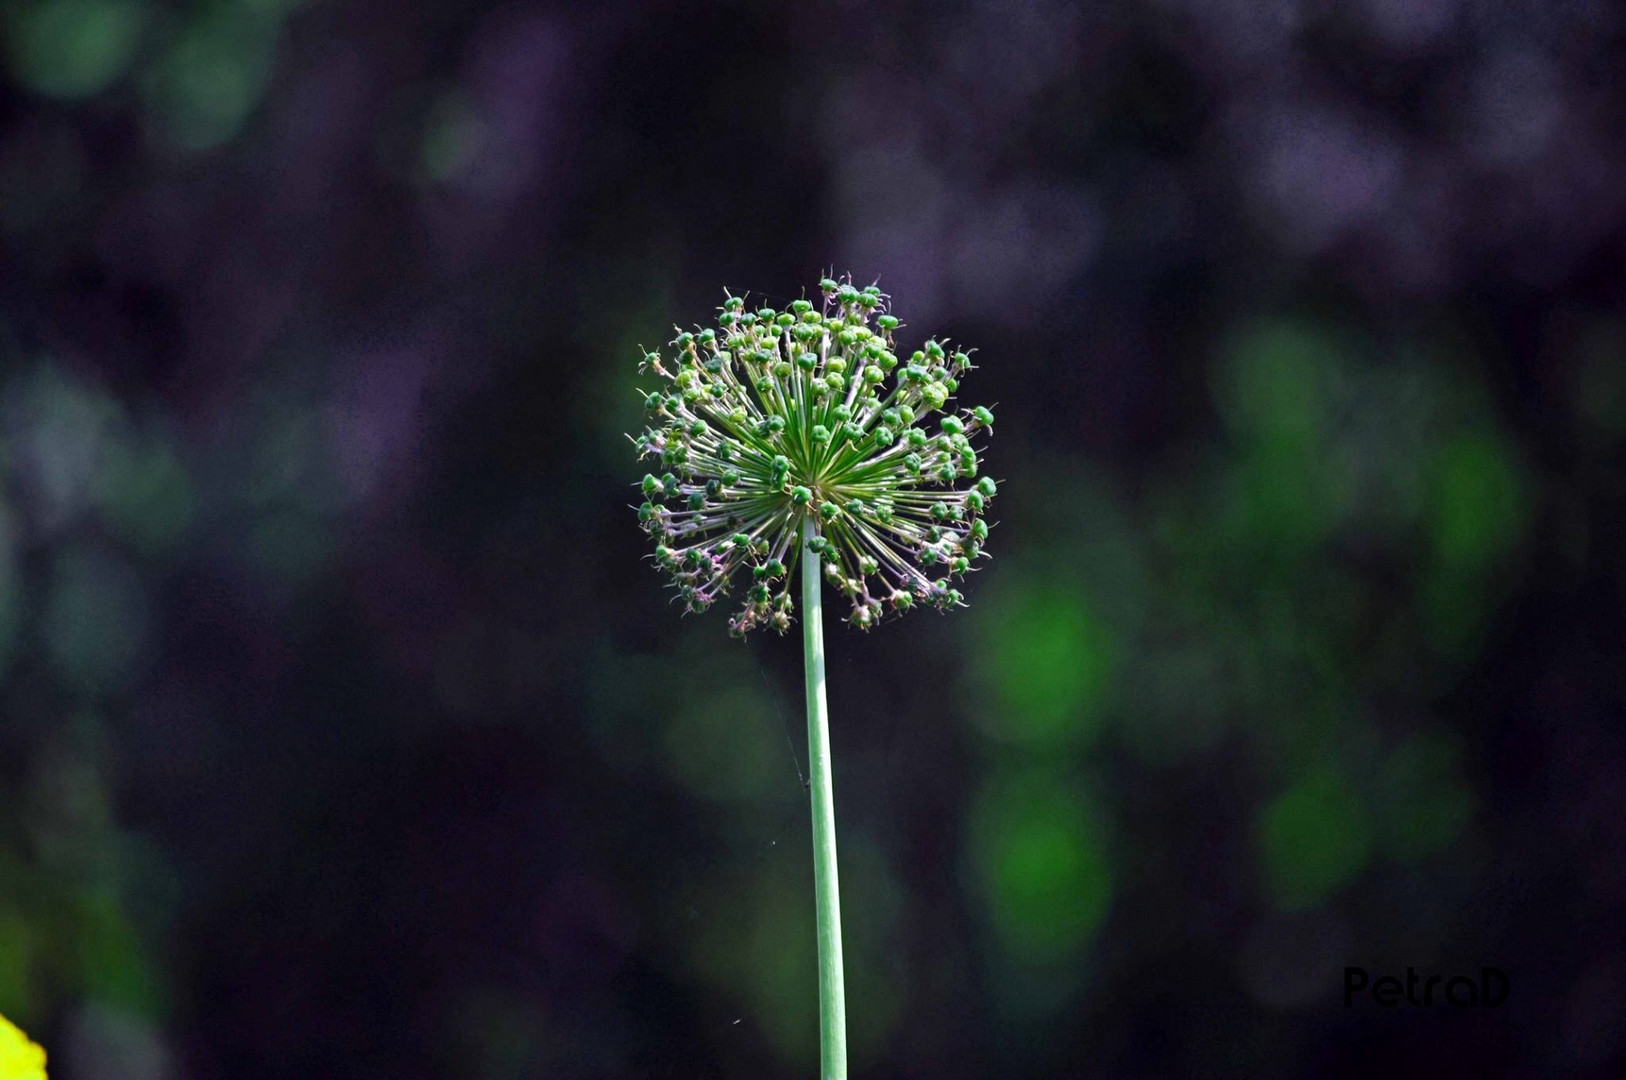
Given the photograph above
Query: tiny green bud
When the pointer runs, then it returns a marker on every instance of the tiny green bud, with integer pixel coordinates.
(987, 486)
(800, 495)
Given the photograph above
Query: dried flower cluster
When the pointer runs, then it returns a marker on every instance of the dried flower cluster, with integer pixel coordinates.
(780, 419)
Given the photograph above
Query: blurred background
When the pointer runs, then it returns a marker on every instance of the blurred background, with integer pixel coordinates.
(345, 732)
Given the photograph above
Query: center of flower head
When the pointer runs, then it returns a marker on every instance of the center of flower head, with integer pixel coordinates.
(777, 419)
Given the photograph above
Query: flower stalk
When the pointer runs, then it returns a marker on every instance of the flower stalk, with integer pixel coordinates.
(826, 884)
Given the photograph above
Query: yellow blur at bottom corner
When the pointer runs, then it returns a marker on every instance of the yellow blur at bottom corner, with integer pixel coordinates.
(20, 1059)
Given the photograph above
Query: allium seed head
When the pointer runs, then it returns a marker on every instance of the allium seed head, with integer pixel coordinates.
(806, 417)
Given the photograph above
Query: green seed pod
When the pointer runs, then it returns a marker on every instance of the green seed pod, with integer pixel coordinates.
(934, 395)
(800, 495)
(987, 486)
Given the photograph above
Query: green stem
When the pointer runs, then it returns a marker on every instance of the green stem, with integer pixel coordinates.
(826, 890)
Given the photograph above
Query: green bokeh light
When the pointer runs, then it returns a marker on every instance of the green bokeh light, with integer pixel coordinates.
(1477, 515)
(1278, 381)
(96, 620)
(146, 496)
(1479, 500)
(1044, 659)
(451, 138)
(112, 962)
(17, 945)
(213, 75)
(1314, 839)
(1038, 859)
(72, 49)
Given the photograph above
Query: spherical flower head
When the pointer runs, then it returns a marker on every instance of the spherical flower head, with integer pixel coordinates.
(20, 1059)
(807, 419)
